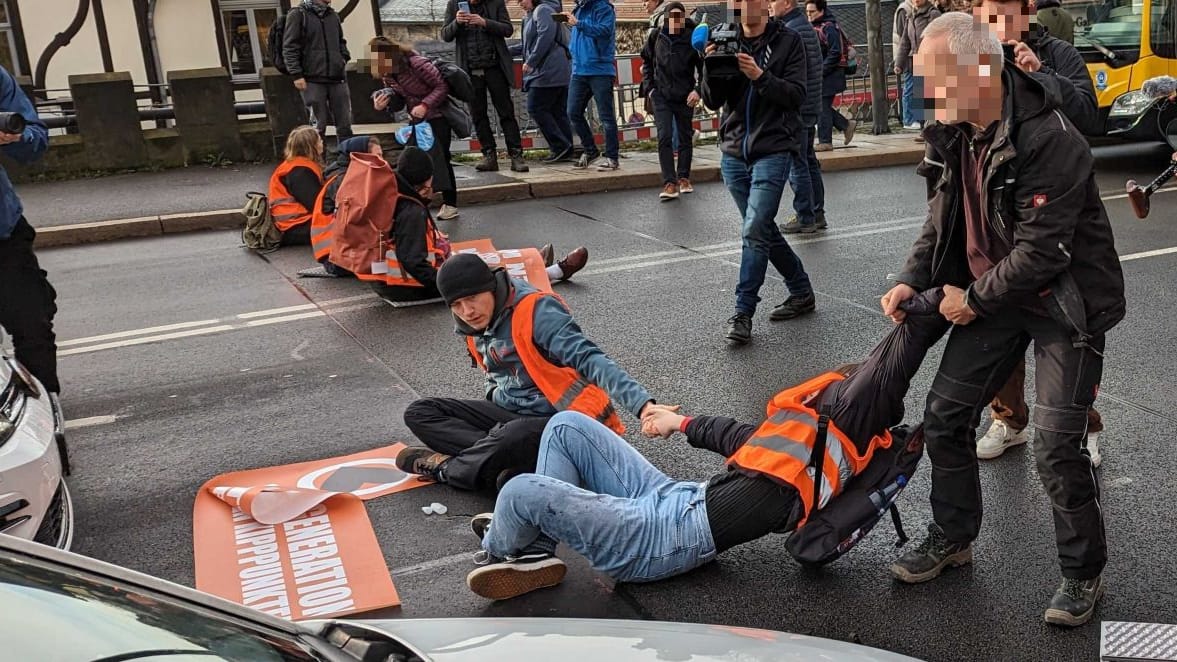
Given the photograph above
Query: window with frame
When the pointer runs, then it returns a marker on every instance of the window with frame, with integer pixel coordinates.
(8, 42)
(247, 31)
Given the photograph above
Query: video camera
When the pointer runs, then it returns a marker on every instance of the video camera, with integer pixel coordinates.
(721, 62)
(1165, 88)
(12, 122)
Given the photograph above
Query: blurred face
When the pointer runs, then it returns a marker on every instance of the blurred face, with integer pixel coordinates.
(677, 21)
(919, 4)
(527, 5)
(782, 7)
(1007, 20)
(812, 12)
(375, 149)
(750, 12)
(475, 310)
(958, 88)
(651, 5)
(426, 189)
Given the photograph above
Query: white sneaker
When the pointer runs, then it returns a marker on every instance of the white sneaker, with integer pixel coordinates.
(914, 126)
(1093, 448)
(999, 437)
(447, 213)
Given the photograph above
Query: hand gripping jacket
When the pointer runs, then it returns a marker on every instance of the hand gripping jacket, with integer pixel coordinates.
(287, 211)
(789, 445)
(321, 236)
(563, 387)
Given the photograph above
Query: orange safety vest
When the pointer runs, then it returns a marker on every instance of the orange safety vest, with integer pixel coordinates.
(563, 387)
(286, 211)
(782, 447)
(321, 237)
(436, 251)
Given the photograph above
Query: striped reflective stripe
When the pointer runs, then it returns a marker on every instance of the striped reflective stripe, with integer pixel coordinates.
(571, 395)
(803, 453)
(287, 217)
(322, 244)
(607, 413)
(281, 201)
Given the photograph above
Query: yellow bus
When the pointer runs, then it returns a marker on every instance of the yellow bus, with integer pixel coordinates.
(1124, 43)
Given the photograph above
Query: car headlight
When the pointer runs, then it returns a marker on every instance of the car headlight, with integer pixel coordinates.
(1131, 104)
(22, 373)
(12, 405)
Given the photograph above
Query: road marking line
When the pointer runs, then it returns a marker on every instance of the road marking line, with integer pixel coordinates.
(286, 318)
(89, 422)
(433, 565)
(136, 332)
(146, 339)
(1144, 254)
(276, 311)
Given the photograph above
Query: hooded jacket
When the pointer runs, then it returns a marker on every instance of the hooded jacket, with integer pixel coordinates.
(419, 82)
(545, 48)
(411, 225)
(670, 65)
(762, 117)
(29, 148)
(833, 76)
(909, 43)
(1056, 20)
(559, 339)
(594, 39)
(798, 22)
(313, 45)
(498, 27)
(1062, 62)
(1040, 195)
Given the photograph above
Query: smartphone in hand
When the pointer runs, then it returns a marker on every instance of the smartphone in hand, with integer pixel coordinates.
(560, 18)
(464, 7)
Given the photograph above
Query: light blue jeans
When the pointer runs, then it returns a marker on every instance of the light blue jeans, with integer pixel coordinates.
(595, 493)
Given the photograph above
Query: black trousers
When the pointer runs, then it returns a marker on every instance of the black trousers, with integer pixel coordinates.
(978, 359)
(670, 116)
(27, 306)
(496, 84)
(484, 438)
(299, 235)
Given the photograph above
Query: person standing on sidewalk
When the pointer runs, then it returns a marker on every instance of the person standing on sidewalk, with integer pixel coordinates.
(547, 68)
(671, 68)
(911, 115)
(594, 42)
(27, 300)
(316, 56)
(809, 191)
(922, 13)
(759, 138)
(479, 29)
(833, 71)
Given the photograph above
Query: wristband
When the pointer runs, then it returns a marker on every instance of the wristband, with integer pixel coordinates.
(686, 420)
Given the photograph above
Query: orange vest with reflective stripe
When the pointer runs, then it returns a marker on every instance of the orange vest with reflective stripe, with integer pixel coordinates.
(782, 447)
(321, 237)
(435, 252)
(562, 386)
(286, 211)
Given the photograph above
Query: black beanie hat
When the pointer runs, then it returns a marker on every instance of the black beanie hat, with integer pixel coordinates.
(464, 275)
(415, 166)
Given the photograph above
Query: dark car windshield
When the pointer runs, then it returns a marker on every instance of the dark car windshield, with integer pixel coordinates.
(50, 614)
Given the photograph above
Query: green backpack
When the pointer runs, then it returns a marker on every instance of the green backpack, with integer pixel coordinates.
(260, 233)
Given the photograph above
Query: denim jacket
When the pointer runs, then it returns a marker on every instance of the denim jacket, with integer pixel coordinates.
(29, 148)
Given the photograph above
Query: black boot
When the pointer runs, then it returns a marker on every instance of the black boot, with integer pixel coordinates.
(927, 561)
(1074, 602)
(489, 162)
(517, 162)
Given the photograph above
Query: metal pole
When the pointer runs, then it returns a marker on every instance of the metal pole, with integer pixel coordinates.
(877, 59)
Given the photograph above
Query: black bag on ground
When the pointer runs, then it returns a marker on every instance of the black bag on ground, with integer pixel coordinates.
(847, 518)
(461, 87)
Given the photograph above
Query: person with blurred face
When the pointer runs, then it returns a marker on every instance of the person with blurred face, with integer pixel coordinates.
(922, 13)
(670, 80)
(1020, 243)
(833, 75)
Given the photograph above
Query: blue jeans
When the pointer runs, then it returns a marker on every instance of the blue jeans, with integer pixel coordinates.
(595, 493)
(829, 120)
(757, 189)
(909, 114)
(548, 106)
(600, 89)
(807, 166)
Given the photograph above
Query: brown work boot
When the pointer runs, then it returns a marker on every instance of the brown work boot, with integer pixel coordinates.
(573, 262)
(684, 186)
(669, 192)
(423, 462)
(489, 163)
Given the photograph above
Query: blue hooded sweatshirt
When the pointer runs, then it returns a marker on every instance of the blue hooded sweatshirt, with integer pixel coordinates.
(31, 147)
(545, 48)
(594, 39)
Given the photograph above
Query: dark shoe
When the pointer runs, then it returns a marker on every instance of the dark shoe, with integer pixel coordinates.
(1074, 602)
(518, 164)
(548, 254)
(560, 157)
(820, 220)
(795, 226)
(423, 462)
(573, 262)
(608, 165)
(794, 306)
(586, 159)
(506, 579)
(739, 329)
(489, 163)
(848, 134)
(504, 477)
(480, 523)
(927, 561)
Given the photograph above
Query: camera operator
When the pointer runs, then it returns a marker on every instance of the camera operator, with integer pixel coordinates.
(26, 297)
(758, 76)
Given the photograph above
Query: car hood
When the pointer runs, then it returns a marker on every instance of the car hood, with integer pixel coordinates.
(525, 639)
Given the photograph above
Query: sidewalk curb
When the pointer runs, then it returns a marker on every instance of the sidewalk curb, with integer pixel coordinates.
(231, 219)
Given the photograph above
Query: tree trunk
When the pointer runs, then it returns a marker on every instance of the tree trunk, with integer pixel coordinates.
(877, 59)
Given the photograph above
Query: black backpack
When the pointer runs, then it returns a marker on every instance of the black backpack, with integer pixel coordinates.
(834, 529)
(275, 38)
(461, 87)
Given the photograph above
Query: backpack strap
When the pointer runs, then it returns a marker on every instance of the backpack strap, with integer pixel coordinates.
(817, 458)
(898, 522)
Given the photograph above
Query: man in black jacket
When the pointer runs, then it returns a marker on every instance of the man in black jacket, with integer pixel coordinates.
(760, 137)
(670, 80)
(480, 36)
(1020, 241)
(316, 55)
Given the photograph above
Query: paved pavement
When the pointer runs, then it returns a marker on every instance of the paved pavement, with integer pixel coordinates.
(222, 361)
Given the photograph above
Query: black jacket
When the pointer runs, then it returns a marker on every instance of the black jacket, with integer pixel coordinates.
(1062, 61)
(1040, 194)
(313, 45)
(762, 117)
(498, 27)
(670, 65)
(411, 225)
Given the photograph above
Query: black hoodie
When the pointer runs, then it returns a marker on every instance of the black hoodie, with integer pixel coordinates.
(411, 225)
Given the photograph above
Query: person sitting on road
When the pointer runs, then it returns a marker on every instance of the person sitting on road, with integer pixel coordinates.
(324, 209)
(420, 248)
(538, 362)
(295, 186)
(598, 495)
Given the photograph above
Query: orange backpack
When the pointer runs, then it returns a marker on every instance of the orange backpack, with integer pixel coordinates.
(364, 206)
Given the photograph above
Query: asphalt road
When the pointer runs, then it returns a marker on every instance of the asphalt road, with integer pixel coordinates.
(213, 391)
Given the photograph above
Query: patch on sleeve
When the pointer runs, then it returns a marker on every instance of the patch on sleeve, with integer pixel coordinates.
(1039, 199)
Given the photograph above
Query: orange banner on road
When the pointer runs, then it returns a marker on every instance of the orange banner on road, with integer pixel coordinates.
(295, 541)
(524, 263)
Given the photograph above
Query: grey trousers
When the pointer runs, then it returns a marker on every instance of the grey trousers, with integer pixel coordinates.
(329, 101)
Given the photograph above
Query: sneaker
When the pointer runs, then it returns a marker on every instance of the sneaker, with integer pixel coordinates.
(480, 523)
(914, 126)
(489, 163)
(586, 159)
(560, 157)
(935, 553)
(573, 262)
(423, 462)
(1074, 602)
(685, 186)
(669, 192)
(999, 437)
(1093, 449)
(608, 165)
(739, 329)
(548, 253)
(795, 226)
(511, 578)
(848, 134)
(823, 147)
(794, 306)
(447, 213)
(819, 220)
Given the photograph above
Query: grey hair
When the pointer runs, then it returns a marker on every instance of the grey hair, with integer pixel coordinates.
(965, 35)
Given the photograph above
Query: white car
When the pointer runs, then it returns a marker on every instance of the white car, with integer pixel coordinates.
(34, 499)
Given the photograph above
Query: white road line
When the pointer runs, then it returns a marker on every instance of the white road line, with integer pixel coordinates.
(146, 339)
(275, 311)
(433, 565)
(89, 422)
(135, 332)
(1144, 254)
(286, 318)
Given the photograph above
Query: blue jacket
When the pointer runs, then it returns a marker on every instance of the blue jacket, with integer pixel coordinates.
(30, 148)
(545, 48)
(811, 107)
(594, 39)
(559, 339)
(833, 76)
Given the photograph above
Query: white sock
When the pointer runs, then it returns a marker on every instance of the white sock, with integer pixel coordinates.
(555, 272)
